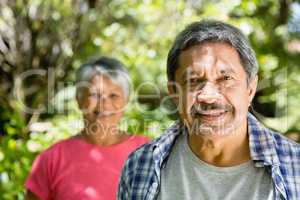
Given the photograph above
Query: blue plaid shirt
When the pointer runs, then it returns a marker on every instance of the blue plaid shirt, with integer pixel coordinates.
(140, 178)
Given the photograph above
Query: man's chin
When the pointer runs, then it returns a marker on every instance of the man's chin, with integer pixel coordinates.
(209, 131)
(211, 128)
(215, 129)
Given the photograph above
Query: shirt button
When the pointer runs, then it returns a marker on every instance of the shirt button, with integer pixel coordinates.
(154, 185)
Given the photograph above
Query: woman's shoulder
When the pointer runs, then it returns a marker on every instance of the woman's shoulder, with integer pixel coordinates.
(60, 146)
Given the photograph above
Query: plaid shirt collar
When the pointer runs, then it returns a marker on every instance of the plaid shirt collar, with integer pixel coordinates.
(261, 142)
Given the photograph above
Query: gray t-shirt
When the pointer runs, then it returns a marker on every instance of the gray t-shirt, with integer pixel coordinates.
(186, 177)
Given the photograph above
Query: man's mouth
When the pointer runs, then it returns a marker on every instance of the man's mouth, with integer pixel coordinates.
(210, 112)
(210, 115)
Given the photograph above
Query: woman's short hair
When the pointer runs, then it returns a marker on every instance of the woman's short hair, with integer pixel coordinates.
(110, 67)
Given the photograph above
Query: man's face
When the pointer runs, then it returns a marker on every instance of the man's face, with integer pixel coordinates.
(212, 88)
(102, 103)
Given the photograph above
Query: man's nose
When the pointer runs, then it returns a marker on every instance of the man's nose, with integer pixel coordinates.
(209, 93)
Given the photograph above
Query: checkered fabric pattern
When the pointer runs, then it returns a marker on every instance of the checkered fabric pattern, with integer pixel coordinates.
(140, 178)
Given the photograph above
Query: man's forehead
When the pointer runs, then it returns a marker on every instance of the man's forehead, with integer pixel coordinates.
(196, 67)
(219, 57)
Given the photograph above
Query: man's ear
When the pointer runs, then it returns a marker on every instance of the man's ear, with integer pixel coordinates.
(252, 88)
(172, 92)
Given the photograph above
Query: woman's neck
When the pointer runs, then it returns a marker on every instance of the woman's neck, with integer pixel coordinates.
(107, 138)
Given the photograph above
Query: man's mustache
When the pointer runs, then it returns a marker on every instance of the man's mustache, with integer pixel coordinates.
(198, 109)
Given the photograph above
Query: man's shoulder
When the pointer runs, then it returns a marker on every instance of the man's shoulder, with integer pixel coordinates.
(139, 164)
(138, 171)
(145, 156)
(287, 151)
(270, 142)
(144, 152)
(288, 154)
(285, 146)
(163, 140)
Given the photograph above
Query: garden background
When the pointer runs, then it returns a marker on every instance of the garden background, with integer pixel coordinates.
(43, 42)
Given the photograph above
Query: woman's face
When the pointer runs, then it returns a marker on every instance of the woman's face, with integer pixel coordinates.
(102, 103)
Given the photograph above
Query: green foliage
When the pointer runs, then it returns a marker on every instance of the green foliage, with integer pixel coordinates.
(56, 37)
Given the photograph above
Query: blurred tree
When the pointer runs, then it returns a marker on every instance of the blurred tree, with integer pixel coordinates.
(42, 43)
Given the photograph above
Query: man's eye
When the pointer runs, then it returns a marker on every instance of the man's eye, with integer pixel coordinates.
(195, 81)
(93, 95)
(227, 77)
(114, 96)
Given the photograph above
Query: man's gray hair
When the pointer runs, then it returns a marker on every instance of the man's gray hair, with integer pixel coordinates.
(212, 31)
(109, 67)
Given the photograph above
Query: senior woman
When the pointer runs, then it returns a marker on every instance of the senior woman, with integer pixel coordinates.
(87, 166)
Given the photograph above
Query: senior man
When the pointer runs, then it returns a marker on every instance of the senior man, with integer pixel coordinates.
(218, 149)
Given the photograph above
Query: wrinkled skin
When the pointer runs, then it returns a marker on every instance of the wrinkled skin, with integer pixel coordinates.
(213, 95)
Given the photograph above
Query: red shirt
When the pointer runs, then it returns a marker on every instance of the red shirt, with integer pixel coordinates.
(77, 170)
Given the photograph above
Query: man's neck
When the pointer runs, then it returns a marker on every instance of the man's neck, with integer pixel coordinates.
(224, 151)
